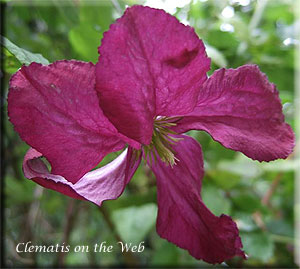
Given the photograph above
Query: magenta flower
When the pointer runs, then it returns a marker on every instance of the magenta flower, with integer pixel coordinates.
(148, 88)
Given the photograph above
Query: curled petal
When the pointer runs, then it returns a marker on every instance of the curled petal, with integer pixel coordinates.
(105, 183)
(183, 218)
(149, 65)
(241, 109)
(55, 109)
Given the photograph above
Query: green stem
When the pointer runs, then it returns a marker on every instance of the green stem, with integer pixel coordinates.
(283, 239)
(257, 15)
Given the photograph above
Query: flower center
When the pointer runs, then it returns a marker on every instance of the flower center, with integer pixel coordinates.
(162, 141)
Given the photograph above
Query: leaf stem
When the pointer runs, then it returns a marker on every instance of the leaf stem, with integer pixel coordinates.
(267, 197)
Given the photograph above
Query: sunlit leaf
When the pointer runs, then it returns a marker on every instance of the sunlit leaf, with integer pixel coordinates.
(242, 166)
(86, 37)
(11, 63)
(216, 56)
(244, 221)
(282, 165)
(24, 56)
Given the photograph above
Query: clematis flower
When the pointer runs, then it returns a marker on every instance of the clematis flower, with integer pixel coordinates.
(148, 88)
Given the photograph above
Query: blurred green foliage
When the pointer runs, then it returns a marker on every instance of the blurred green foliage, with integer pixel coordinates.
(259, 196)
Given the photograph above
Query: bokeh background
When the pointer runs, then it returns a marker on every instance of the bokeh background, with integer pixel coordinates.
(259, 196)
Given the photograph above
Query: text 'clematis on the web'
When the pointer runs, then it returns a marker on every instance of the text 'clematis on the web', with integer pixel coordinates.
(149, 86)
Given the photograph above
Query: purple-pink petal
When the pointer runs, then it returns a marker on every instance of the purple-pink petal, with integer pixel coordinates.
(105, 183)
(183, 218)
(241, 109)
(55, 109)
(149, 65)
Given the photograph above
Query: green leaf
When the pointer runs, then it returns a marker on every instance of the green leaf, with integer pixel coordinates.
(281, 165)
(279, 10)
(85, 40)
(215, 200)
(216, 56)
(242, 166)
(280, 227)
(258, 245)
(24, 56)
(101, 16)
(244, 221)
(18, 192)
(224, 179)
(247, 201)
(11, 63)
(128, 199)
(86, 37)
(165, 254)
(134, 223)
(222, 40)
(77, 258)
(282, 77)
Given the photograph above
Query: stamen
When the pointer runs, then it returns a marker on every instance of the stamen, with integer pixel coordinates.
(162, 141)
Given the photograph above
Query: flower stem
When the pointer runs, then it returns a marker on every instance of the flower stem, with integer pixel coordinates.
(71, 214)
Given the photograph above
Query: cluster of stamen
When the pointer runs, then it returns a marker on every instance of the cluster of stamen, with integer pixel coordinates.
(162, 141)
